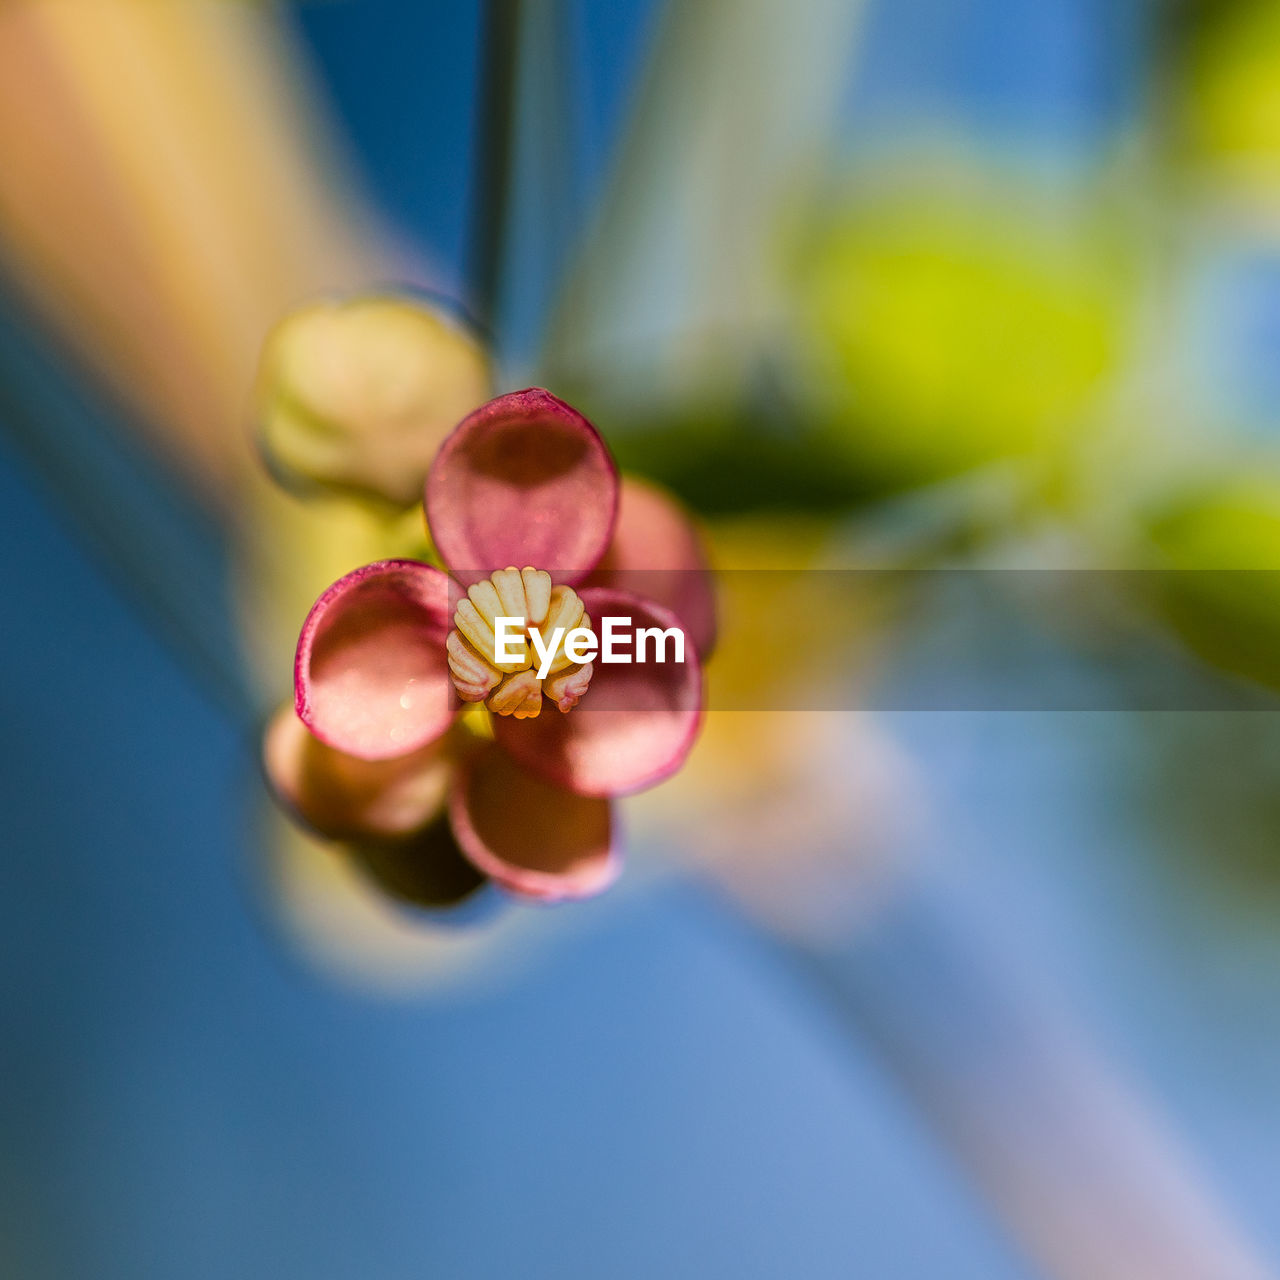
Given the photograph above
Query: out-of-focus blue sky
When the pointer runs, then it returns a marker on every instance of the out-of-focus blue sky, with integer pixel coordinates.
(183, 1097)
(1052, 80)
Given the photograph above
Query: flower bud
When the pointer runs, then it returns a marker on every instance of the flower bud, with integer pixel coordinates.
(355, 396)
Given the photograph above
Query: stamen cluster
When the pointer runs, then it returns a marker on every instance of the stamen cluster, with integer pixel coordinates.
(513, 686)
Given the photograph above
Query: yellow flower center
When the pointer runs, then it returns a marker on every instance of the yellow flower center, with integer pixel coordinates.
(494, 656)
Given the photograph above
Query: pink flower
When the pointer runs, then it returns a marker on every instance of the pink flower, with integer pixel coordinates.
(526, 510)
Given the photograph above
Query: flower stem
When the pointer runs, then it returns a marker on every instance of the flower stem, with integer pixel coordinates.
(494, 149)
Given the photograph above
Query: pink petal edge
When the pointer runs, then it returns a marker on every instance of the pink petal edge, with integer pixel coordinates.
(524, 480)
(534, 840)
(658, 554)
(635, 725)
(370, 675)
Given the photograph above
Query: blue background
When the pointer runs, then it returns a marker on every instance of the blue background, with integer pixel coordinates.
(656, 1096)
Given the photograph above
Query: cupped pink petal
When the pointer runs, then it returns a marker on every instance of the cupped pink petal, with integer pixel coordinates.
(636, 722)
(524, 480)
(533, 839)
(656, 553)
(371, 676)
(345, 798)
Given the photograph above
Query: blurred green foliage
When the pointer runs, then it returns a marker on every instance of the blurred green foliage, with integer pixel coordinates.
(754, 455)
(936, 333)
(1228, 58)
(1220, 543)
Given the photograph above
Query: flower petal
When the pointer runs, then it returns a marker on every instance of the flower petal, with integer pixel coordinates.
(636, 722)
(523, 481)
(346, 798)
(533, 839)
(656, 553)
(371, 675)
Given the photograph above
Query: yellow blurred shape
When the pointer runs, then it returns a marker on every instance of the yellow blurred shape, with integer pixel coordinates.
(164, 196)
(1232, 109)
(938, 333)
(793, 628)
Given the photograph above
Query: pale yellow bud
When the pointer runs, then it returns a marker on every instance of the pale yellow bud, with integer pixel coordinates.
(356, 396)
